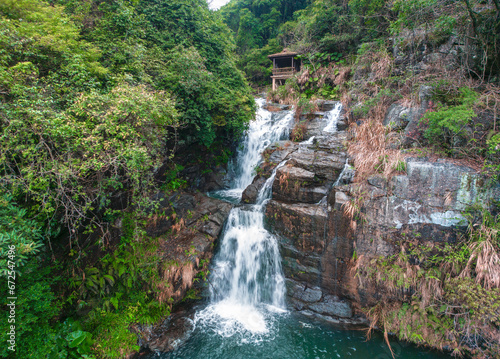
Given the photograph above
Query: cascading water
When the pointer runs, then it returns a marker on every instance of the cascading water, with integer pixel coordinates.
(332, 118)
(266, 129)
(247, 284)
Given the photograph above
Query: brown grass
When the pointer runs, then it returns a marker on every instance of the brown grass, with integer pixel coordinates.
(283, 180)
(485, 258)
(371, 153)
(272, 108)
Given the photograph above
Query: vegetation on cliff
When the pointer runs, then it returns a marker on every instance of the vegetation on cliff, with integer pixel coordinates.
(95, 98)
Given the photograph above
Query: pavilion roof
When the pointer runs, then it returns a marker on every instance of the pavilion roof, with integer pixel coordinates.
(284, 53)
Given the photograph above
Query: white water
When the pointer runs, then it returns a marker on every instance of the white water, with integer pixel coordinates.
(308, 142)
(266, 129)
(247, 283)
(332, 118)
(342, 174)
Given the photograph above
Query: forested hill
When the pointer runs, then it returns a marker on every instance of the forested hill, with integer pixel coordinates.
(336, 29)
(95, 96)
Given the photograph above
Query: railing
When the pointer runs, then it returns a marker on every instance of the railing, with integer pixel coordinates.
(284, 71)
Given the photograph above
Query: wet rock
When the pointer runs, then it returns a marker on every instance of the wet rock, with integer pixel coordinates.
(215, 180)
(172, 334)
(327, 105)
(304, 293)
(186, 229)
(322, 164)
(251, 193)
(299, 265)
(439, 184)
(342, 125)
(303, 223)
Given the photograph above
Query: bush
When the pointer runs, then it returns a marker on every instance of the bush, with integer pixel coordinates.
(447, 124)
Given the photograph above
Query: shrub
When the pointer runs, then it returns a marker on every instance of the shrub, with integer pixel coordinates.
(448, 123)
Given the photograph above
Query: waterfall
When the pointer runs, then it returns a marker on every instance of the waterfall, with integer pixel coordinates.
(266, 129)
(332, 118)
(343, 173)
(247, 284)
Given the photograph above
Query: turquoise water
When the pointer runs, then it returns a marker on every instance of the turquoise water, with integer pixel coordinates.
(292, 337)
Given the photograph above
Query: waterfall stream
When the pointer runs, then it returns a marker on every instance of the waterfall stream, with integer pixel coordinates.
(332, 118)
(247, 280)
(266, 129)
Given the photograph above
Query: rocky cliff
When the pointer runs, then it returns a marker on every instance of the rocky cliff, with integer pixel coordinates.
(325, 221)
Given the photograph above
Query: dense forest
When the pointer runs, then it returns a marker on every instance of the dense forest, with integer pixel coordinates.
(96, 97)
(104, 102)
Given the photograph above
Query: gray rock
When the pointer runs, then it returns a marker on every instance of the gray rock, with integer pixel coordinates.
(340, 199)
(251, 193)
(295, 174)
(397, 117)
(424, 95)
(328, 105)
(332, 306)
(322, 164)
(304, 293)
(174, 332)
(342, 125)
(378, 181)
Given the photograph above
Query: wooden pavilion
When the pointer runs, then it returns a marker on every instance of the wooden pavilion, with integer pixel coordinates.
(284, 66)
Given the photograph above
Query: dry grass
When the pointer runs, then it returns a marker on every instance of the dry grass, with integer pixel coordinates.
(371, 153)
(283, 180)
(176, 279)
(381, 66)
(343, 76)
(179, 226)
(484, 258)
(272, 108)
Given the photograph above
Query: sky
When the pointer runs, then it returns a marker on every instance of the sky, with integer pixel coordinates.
(215, 4)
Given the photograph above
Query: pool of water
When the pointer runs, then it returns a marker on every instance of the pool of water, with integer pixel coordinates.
(289, 336)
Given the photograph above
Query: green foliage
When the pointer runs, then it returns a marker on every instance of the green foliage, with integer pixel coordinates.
(91, 98)
(36, 306)
(411, 14)
(119, 292)
(255, 63)
(493, 161)
(448, 122)
(18, 231)
(172, 181)
(254, 22)
(101, 143)
(453, 290)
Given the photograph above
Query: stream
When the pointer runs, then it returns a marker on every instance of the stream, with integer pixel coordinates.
(246, 315)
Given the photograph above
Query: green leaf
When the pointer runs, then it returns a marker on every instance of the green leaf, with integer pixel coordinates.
(76, 338)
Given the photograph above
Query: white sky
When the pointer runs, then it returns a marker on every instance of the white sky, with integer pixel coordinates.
(215, 4)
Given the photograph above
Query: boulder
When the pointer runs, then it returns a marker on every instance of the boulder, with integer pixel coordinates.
(397, 117)
(251, 193)
(332, 306)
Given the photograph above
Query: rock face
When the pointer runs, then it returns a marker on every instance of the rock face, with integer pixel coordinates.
(186, 232)
(319, 241)
(186, 238)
